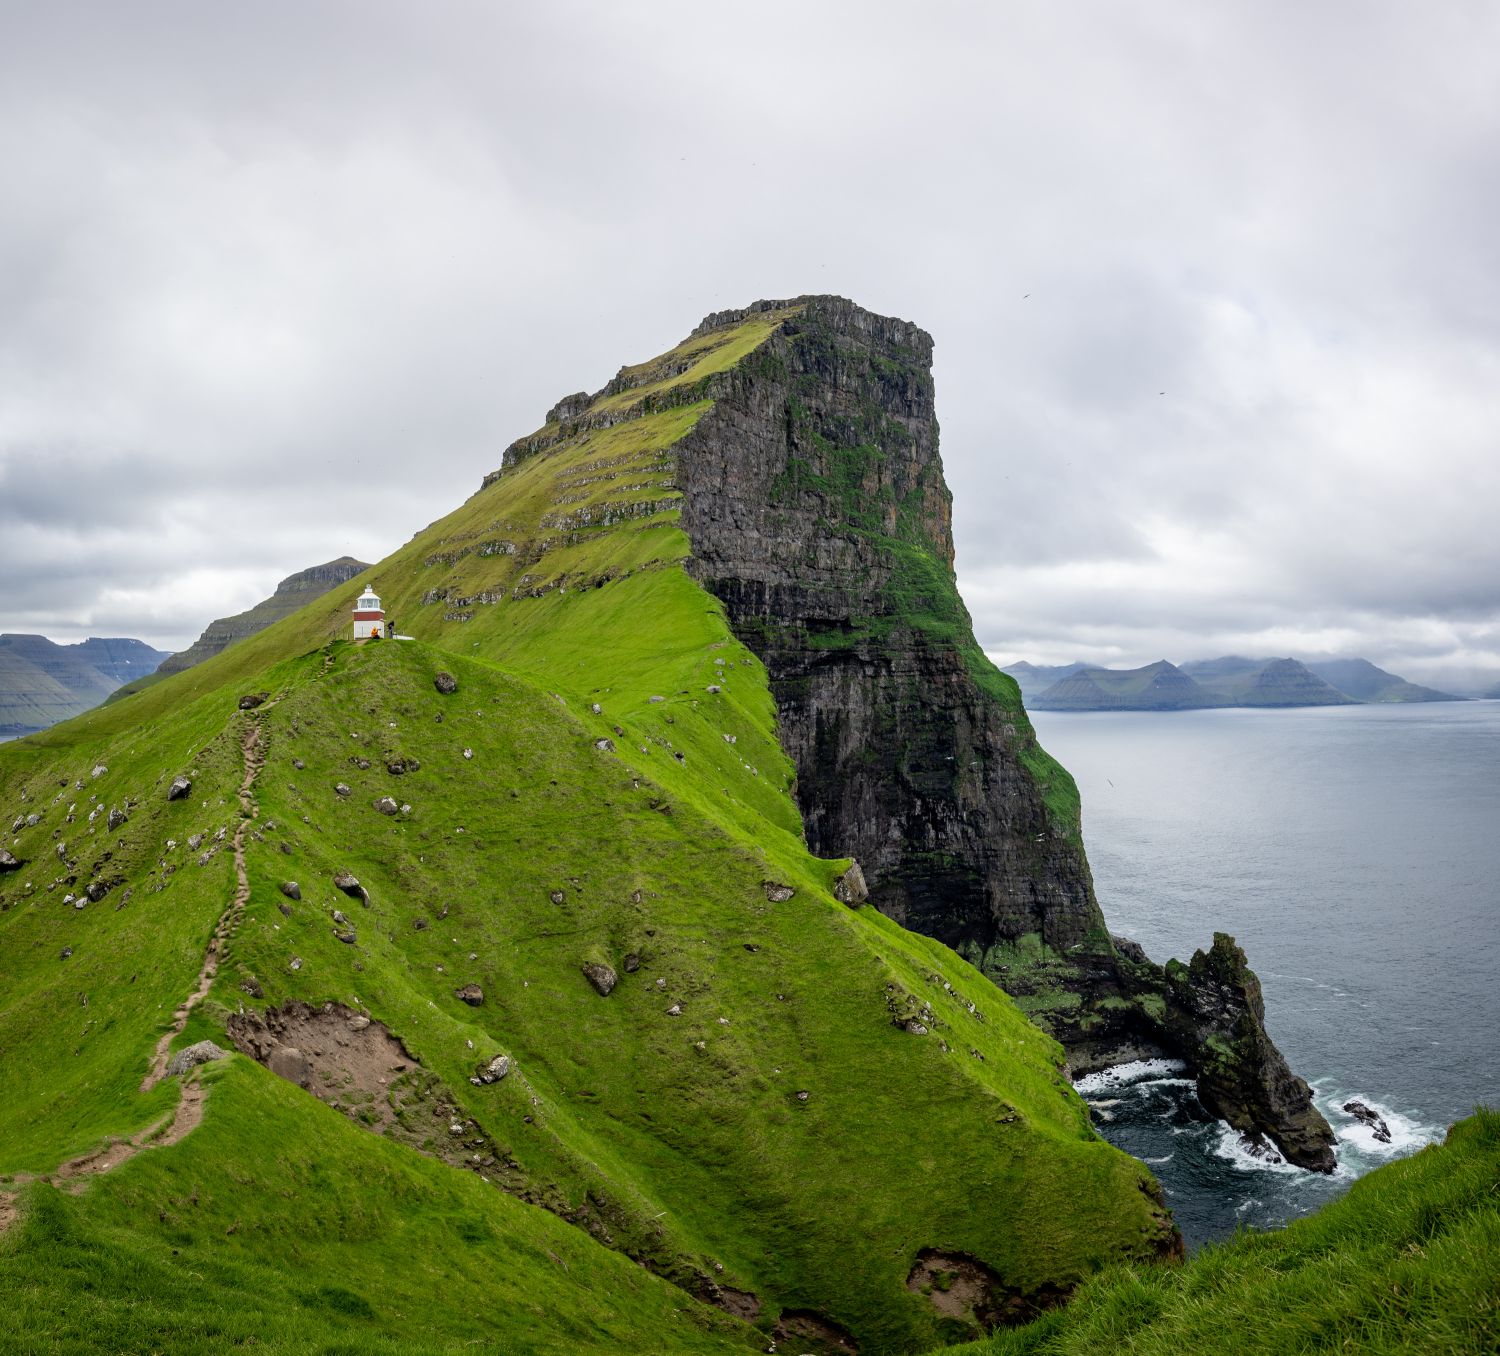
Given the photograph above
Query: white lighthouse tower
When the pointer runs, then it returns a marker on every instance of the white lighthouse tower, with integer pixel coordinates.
(369, 619)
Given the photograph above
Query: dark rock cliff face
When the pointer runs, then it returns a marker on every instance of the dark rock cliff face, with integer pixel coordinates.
(817, 512)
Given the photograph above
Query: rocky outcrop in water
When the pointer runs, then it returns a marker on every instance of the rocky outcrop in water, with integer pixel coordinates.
(815, 504)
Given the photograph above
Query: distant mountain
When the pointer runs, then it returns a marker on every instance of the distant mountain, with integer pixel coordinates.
(1237, 681)
(1230, 680)
(42, 683)
(1036, 678)
(1364, 682)
(292, 595)
(1156, 687)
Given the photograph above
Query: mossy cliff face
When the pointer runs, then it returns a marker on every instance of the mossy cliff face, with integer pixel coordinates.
(814, 499)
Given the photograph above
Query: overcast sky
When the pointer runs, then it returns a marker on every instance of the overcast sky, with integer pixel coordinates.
(279, 282)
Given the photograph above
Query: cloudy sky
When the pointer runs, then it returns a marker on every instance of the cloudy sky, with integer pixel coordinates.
(280, 281)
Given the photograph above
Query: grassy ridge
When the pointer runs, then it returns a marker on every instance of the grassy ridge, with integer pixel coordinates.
(734, 1142)
(1407, 1262)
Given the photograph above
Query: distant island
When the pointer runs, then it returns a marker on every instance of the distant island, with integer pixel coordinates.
(42, 682)
(1232, 680)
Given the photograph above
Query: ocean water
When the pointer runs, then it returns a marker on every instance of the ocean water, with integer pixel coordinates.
(1354, 852)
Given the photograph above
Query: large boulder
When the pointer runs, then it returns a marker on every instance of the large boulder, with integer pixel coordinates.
(9, 862)
(180, 789)
(471, 994)
(850, 888)
(288, 1062)
(190, 1056)
(493, 1070)
(601, 976)
(445, 682)
(252, 699)
(349, 884)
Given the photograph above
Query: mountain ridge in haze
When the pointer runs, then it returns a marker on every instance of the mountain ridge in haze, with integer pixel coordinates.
(1230, 680)
(42, 682)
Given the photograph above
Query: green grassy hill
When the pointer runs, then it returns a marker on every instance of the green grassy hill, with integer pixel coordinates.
(1406, 1263)
(784, 1105)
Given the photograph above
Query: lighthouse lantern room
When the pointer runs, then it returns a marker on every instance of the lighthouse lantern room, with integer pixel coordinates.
(369, 619)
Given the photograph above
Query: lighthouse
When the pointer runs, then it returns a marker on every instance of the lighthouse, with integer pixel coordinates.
(369, 620)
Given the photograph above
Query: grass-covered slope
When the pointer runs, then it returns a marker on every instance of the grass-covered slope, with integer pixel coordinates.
(278, 1226)
(783, 1103)
(1407, 1262)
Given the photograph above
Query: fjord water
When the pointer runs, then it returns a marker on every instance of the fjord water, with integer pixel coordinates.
(1354, 852)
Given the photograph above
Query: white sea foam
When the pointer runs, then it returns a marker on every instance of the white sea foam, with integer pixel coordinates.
(1408, 1133)
(1233, 1148)
(1127, 1075)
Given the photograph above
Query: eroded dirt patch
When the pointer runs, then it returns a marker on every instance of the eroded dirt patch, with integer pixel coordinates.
(801, 1330)
(358, 1067)
(964, 1289)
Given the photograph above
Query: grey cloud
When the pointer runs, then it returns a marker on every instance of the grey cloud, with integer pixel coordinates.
(281, 281)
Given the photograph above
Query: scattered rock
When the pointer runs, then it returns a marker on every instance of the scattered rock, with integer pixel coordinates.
(116, 818)
(180, 789)
(596, 708)
(398, 767)
(9, 862)
(363, 764)
(66, 952)
(338, 917)
(654, 700)
(468, 753)
(556, 896)
(348, 937)
(602, 977)
(251, 986)
(471, 994)
(493, 1070)
(291, 889)
(420, 925)
(341, 788)
(803, 1095)
(288, 1062)
(605, 745)
(189, 1057)
(252, 699)
(632, 963)
(295, 963)
(195, 841)
(445, 682)
(299, 764)
(850, 888)
(915, 1027)
(713, 689)
(99, 771)
(387, 806)
(776, 892)
(97, 889)
(342, 880)
(675, 1010)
